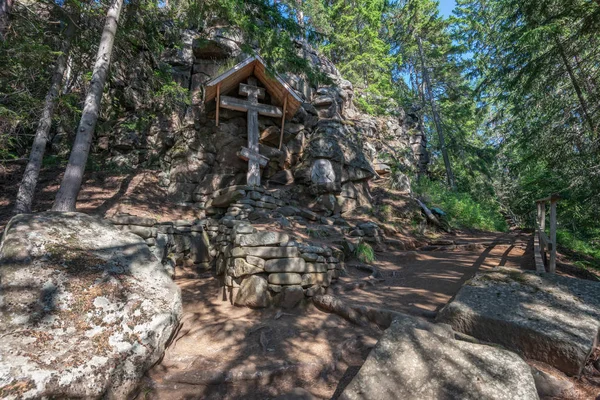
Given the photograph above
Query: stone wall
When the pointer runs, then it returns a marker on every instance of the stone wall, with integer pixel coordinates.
(257, 267)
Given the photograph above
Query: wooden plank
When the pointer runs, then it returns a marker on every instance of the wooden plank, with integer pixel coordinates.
(537, 253)
(229, 84)
(283, 122)
(232, 71)
(552, 262)
(544, 240)
(234, 103)
(280, 80)
(246, 89)
(279, 89)
(218, 102)
(553, 197)
(246, 154)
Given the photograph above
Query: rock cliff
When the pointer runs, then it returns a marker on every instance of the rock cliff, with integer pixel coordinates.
(330, 149)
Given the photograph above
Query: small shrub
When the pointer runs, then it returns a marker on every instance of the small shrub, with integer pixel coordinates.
(53, 161)
(364, 252)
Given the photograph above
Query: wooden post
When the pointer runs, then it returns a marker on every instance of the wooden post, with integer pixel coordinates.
(283, 121)
(543, 216)
(218, 103)
(552, 264)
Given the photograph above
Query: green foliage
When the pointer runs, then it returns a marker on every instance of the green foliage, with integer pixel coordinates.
(462, 210)
(585, 251)
(358, 47)
(269, 26)
(364, 252)
(536, 73)
(53, 161)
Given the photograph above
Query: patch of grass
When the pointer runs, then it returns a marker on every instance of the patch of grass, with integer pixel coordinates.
(583, 251)
(462, 210)
(364, 252)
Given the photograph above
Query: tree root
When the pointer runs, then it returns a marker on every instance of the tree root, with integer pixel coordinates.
(245, 373)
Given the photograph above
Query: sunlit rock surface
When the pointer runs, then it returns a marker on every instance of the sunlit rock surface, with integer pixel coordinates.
(413, 363)
(85, 309)
(545, 317)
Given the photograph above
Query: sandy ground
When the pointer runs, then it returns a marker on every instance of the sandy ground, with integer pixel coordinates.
(421, 282)
(227, 352)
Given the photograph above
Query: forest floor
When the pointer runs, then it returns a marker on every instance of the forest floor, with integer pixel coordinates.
(227, 352)
(102, 193)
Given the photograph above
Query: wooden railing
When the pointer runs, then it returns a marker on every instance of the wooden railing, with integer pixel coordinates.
(545, 246)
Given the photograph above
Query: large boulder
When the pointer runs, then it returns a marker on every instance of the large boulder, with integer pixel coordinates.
(545, 317)
(334, 156)
(253, 292)
(410, 362)
(85, 309)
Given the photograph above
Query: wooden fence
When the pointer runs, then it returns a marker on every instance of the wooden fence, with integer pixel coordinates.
(544, 246)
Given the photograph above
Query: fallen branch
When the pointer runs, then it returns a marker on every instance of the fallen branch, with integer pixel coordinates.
(430, 217)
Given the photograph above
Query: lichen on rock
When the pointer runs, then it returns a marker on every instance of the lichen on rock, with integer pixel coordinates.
(85, 309)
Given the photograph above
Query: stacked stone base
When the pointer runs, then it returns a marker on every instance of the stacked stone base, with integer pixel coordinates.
(257, 268)
(264, 268)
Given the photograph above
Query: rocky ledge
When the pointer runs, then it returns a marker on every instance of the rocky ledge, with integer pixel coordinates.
(544, 317)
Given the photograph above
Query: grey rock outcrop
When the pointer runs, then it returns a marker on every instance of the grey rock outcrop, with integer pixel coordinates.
(85, 308)
(413, 363)
(545, 317)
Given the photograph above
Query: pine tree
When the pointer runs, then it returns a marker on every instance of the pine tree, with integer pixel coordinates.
(355, 44)
(71, 183)
(32, 170)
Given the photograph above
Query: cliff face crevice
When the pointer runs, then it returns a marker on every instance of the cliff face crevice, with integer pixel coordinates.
(330, 151)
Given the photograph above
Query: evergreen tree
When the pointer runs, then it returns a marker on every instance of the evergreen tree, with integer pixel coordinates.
(71, 183)
(356, 45)
(535, 64)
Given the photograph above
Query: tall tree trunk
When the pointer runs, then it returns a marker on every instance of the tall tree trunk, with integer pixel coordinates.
(5, 7)
(300, 13)
(71, 183)
(68, 74)
(419, 87)
(436, 117)
(32, 171)
(582, 102)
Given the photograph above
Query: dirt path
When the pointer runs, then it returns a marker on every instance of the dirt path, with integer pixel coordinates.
(226, 352)
(102, 193)
(422, 282)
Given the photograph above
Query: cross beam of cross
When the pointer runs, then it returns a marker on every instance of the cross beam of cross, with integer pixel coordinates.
(253, 108)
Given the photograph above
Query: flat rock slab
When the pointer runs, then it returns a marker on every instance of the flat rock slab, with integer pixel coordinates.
(411, 363)
(262, 239)
(544, 317)
(85, 309)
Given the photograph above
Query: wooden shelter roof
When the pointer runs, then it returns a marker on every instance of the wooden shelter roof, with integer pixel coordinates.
(256, 66)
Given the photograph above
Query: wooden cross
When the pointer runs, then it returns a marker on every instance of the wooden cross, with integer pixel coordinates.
(253, 107)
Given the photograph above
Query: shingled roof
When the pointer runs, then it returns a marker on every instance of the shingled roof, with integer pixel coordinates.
(276, 86)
